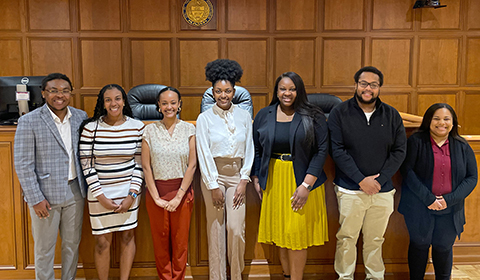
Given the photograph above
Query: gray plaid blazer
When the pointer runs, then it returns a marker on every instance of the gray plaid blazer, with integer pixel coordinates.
(40, 157)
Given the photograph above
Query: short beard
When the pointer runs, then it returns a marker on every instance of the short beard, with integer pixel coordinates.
(361, 100)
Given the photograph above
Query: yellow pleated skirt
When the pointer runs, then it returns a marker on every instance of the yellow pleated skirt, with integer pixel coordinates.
(279, 224)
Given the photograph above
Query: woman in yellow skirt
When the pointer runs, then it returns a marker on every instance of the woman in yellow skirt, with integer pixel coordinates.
(291, 145)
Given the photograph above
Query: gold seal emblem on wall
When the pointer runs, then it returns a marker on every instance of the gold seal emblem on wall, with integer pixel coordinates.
(197, 12)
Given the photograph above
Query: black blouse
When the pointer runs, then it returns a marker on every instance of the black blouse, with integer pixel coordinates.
(281, 144)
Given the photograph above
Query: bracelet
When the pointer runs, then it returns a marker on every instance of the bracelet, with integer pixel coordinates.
(307, 186)
(183, 189)
(132, 194)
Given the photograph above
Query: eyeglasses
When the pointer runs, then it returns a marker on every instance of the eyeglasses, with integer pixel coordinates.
(228, 91)
(56, 91)
(364, 84)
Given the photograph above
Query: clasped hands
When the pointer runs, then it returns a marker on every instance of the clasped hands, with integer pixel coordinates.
(112, 205)
(369, 185)
(170, 206)
(438, 204)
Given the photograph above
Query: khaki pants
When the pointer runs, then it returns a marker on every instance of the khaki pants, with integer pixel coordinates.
(228, 179)
(66, 218)
(369, 214)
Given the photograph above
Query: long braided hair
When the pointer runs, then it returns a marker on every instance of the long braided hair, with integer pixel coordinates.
(100, 111)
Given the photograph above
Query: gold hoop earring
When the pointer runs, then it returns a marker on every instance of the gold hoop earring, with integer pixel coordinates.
(179, 110)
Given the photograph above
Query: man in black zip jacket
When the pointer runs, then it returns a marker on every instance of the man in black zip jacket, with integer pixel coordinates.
(368, 146)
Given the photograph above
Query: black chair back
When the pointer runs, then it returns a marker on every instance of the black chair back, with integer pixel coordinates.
(325, 101)
(142, 99)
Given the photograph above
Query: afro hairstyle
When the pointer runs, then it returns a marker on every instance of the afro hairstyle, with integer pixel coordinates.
(223, 70)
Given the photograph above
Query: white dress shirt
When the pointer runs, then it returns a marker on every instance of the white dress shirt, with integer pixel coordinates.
(65, 130)
(225, 134)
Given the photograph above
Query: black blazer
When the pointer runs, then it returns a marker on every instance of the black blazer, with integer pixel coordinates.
(306, 160)
(417, 172)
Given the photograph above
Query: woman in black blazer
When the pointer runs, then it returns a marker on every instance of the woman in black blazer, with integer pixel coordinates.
(291, 141)
(439, 172)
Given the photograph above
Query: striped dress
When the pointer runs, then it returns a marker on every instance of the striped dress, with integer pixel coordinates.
(114, 169)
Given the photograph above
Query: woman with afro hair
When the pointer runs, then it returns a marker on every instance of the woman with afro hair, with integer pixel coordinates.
(225, 155)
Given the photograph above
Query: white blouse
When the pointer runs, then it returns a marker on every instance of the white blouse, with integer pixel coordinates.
(169, 153)
(225, 134)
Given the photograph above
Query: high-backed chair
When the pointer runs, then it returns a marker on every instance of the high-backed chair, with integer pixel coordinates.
(142, 99)
(241, 98)
(325, 101)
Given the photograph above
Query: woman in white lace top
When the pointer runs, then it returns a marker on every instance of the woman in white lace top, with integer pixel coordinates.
(169, 161)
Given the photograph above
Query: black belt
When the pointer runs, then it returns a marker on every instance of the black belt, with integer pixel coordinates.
(282, 157)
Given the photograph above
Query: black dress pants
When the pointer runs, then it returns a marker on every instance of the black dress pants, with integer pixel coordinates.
(441, 236)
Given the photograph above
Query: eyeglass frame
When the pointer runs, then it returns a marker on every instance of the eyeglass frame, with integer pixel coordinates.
(373, 85)
(56, 91)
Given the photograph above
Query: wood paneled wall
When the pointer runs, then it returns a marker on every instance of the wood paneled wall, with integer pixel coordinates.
(426, 55)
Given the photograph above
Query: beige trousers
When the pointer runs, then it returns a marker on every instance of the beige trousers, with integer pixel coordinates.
(369, 214)
(67, 219)
(233, 220)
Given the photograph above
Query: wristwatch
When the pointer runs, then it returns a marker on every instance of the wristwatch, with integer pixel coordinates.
(132, 194)
(307, 186)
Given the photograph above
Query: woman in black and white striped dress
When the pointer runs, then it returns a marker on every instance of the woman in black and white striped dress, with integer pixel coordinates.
(110, 152)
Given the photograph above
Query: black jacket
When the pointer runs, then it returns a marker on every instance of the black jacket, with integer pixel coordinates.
(361, 148)
(417, 173)
(306, 160)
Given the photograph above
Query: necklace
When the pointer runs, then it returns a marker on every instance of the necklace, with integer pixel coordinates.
(283, 116)
(171, 128)
(114, 122)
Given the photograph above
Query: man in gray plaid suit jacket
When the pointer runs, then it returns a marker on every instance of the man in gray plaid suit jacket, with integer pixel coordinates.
(49, 171)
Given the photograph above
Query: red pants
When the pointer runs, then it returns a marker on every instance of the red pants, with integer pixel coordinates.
(170, 230)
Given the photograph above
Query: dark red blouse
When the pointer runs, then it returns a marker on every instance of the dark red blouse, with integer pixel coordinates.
(442, 171)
